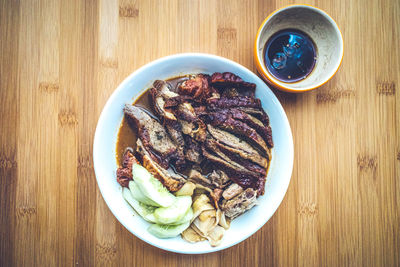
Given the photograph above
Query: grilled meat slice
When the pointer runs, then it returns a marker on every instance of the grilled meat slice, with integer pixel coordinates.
(219, 179)
(171, 180)
(231, 92)
(197, 178)
(192, 150)
(175, 101)
(232, 191)
(233, 102)
(260, 185)
(260, 122)
(256, 112)
(180, 120)
(153, 135)
(203, 182)
(175, 131)
(128, 159)
(239, 163)
(124, 173)
(236, 145)
(197, 87)
(184, 113)
(228, 123)
(228, 79)
(229, 156)
(263, 130)
(216, 195)
(240, 204)
(159, 94)
(254, 117)
(239, 175)
(191, 124)
(200, 110)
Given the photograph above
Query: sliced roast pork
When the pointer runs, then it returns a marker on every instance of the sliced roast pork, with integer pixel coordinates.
(263, 130)
(227, 122)
(171, 180)
(233, 102)
(198, 88)
(239, 175)
(240, 164)
(180, 119)
(124, 173)
(219, 179)
(192, 150)
(153, 135)
(191, 124)
(240, 203)
(229, 80)
(205, 183)
(256, 112)
(159, 94)
(236, 145)
(232, 191)
(215, 146)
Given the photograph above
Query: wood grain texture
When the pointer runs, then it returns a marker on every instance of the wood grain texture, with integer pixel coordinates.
(60, 61)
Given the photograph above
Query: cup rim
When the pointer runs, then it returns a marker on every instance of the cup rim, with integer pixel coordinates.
(267, 76)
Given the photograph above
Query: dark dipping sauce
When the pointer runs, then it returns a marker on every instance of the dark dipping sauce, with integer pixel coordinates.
(290, 55)
(126, 135)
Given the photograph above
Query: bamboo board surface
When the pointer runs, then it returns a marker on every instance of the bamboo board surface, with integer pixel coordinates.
(61, 60)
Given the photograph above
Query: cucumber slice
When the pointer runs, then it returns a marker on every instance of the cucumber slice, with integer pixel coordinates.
(167, 231)
(175, 212)
(151, 187)
(187, 218)
(145, 211)
(138, 195)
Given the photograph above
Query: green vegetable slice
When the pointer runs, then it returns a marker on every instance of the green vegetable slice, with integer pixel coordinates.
(145, 211)
(187, 218)
(175, 212)
(138, 195)
(151, 187)
(167, 231)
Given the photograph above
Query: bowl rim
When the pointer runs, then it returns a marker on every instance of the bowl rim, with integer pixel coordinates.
(267, 76)
(123, 84)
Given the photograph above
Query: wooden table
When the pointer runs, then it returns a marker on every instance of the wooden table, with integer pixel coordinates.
(60, 61)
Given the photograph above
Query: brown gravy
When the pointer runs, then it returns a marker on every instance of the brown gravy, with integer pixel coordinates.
(126, 135)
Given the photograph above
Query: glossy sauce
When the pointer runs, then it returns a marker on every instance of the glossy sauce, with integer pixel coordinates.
(290, 55)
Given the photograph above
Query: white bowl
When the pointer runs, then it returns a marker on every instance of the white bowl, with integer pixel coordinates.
(105, 164)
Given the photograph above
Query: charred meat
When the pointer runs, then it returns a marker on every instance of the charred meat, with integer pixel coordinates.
(233, 102)
(209, 130)
(228, 80)
(197, 87)
(236, 145)
(240, 203)
(171, 180)
(226, 121)
(124, 173)
(153, 135)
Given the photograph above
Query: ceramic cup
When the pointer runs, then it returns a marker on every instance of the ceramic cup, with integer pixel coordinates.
(320, 27)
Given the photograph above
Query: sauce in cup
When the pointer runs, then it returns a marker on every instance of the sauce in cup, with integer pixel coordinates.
(290, 55)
